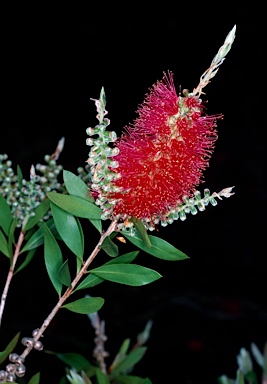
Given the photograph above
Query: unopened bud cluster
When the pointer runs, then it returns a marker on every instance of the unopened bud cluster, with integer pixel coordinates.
(190, 205)
(16, 367)
(195, 204)
(101, 157)
(23, 195)
(99, 351)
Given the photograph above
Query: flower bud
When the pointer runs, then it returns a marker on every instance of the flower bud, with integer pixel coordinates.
(11, 378)
(10, 368)
(27, 341)
(13, 357)
(3, 375)
(20, 370)
(35, 331)
(38, 345)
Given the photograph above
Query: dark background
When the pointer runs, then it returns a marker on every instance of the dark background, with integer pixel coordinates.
(203, 309)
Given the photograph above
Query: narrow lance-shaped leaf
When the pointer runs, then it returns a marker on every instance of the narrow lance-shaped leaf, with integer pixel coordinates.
(53, 258)
(27, 260)
(37, 237)
(129, 274)
(5, 217)
(142, 231)
(240, 377)
(3, 244)
(74, 360)
(159, 248)
(76, 186)
(121, 354)
(129, 362)
(11, 238)
(39, 212)
(85, 305)
(109, 247)
(64, 274)
(79, 261)
(102, 378)
(69, 230)
(35, 379)
(145, 334)
(97, 224)
(9, 348)
(93, 280)
(75, 205)
(78, 207)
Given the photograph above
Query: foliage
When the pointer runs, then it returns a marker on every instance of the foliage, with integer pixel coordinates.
(117, 199)
(246, 373)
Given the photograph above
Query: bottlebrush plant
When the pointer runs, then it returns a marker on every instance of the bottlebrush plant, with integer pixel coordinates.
(131, 185)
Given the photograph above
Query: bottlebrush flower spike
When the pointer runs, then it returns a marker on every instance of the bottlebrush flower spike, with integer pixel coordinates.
(160, 158)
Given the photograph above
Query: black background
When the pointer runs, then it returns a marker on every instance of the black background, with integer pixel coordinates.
(203, 309)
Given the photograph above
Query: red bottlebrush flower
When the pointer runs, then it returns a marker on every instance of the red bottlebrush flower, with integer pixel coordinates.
(162, 155)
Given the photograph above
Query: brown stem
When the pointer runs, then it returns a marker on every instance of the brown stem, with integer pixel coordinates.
(11, 273)
(69, 290)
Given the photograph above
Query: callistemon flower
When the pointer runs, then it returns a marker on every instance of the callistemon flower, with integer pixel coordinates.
(160, 158)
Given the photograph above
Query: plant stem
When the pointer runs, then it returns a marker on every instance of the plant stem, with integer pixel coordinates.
(11, 273)
(69, 290)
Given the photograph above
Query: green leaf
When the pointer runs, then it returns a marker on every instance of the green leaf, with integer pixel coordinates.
(37, 237)
(40, 212)
(97, 224)
(89, 281)
(69, 230)
(34, 241)
(5, 217)
(74, 360)
(53, 258)
(85, 305)
(10, 242)
(3, 244)
(20, 176)
(225, 380)
(142, 231)
(129, 274)
(9, 348)
(76, 186)
(240, 377)
(26, 261)
(35, 379)
(121, 354)
(92, 280)
(101, 377)
(76, 205)
(79, 261)
(64, 274)
(109, 247)
(147, 381)
(129, 362)
(258, 356)
(159, 248)
(127, 379)
(127, 258)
